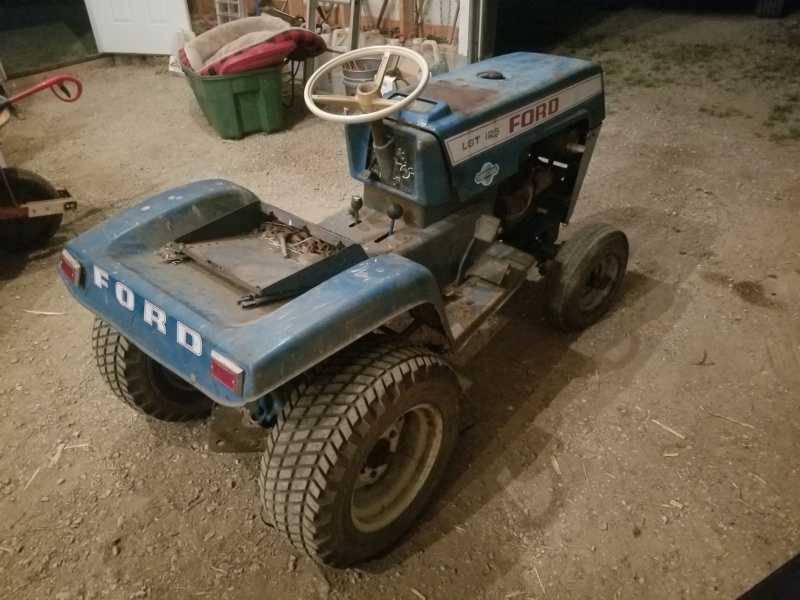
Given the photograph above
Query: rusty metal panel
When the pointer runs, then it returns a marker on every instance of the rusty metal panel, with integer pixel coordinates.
(460, 96)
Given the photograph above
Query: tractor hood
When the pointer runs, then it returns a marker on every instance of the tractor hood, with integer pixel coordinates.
(502, 104)
(484, 92)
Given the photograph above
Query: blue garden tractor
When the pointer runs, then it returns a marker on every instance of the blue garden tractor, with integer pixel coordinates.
(207, 297)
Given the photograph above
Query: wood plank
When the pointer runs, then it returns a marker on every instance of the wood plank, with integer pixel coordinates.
(201, 7)
(406, 13)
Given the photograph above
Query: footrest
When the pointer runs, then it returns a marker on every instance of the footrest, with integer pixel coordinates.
(499, 271)
(491, 270)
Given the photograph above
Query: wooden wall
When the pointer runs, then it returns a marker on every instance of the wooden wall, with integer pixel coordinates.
(397, 16)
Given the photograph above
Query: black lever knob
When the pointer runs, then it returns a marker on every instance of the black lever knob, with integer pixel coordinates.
(394, 212)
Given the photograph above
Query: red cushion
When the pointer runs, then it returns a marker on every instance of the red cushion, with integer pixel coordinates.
(294, 44)
(184, 60)
(265, 54)
(309, 44)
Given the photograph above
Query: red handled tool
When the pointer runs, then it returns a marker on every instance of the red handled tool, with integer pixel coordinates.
(65, 87)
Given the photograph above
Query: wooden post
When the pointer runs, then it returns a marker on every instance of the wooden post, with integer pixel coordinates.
(406, 16)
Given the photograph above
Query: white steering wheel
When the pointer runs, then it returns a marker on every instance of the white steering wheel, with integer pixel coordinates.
(368, 97)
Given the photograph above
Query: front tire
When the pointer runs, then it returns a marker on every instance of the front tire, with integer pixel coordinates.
(20, 235)
(359, 449)
(143, 383)
(585, 276)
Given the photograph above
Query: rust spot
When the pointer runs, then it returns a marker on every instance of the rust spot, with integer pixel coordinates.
(460, 98)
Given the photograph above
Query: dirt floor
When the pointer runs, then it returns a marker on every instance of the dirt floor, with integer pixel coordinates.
(652, 456)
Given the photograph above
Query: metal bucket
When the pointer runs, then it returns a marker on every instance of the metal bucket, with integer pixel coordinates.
(357, 72)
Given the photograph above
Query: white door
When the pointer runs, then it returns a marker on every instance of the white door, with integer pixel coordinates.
(137, 26)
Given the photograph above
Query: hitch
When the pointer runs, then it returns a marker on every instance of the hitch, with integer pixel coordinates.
(40, 208)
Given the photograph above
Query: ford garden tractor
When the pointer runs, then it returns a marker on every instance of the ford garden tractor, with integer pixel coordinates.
(297, 334)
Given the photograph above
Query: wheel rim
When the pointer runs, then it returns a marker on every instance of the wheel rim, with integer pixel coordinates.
(600, 283)
(396, 468)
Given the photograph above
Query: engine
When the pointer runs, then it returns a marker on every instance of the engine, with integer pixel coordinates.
(552, 162)
(516, 197)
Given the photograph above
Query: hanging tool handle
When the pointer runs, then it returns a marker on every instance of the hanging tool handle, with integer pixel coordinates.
(59, 85)
(380, 15)
(402, 37)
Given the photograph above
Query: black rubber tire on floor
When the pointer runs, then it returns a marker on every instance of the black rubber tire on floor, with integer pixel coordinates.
(141, 382)
(770, 9)
(20, 235)
(333, 429)
(573, 275)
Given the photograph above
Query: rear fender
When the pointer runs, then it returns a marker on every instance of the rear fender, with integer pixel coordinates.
(165, 217)
(274, 347)
(331, 316)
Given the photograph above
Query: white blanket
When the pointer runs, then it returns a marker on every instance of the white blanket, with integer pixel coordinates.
(231, 37)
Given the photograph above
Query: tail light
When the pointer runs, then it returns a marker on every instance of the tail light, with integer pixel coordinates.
(227, 372)
(71, 268)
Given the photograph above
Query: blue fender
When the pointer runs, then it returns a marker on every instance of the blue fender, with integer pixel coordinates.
(271, 344)
(271, 347)
(164, 217)
(327, 318)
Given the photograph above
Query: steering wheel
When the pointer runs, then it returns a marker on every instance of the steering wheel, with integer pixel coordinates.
(368, 97)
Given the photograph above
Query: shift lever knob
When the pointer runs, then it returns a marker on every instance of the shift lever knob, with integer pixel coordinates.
(356, 203)
(394, 212)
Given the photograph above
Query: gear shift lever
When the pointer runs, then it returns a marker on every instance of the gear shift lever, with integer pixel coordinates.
(394, 212)
(356, 203)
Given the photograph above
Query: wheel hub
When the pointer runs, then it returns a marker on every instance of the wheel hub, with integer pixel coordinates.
(396, 468)
(599, 283)
(381, 454)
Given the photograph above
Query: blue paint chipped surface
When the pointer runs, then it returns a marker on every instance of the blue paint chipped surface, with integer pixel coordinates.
(196, 312)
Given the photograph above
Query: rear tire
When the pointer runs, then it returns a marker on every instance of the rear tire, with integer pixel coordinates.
(142, 383)
(585, 276)
(359, 449)
(21, 235)
(770, 9)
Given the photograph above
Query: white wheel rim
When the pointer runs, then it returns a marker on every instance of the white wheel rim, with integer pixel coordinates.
(376, 505)
(308, 93)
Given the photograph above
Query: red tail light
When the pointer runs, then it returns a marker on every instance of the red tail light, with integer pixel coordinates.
(227, 372)
(71, 267)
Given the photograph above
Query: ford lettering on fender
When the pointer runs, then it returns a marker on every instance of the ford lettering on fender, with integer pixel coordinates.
(152, 314)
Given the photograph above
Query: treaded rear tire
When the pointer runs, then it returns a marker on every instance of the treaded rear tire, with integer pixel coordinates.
(770, 9)
(141, 382)
(336, 416)
(572, 300)
(20, 235)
